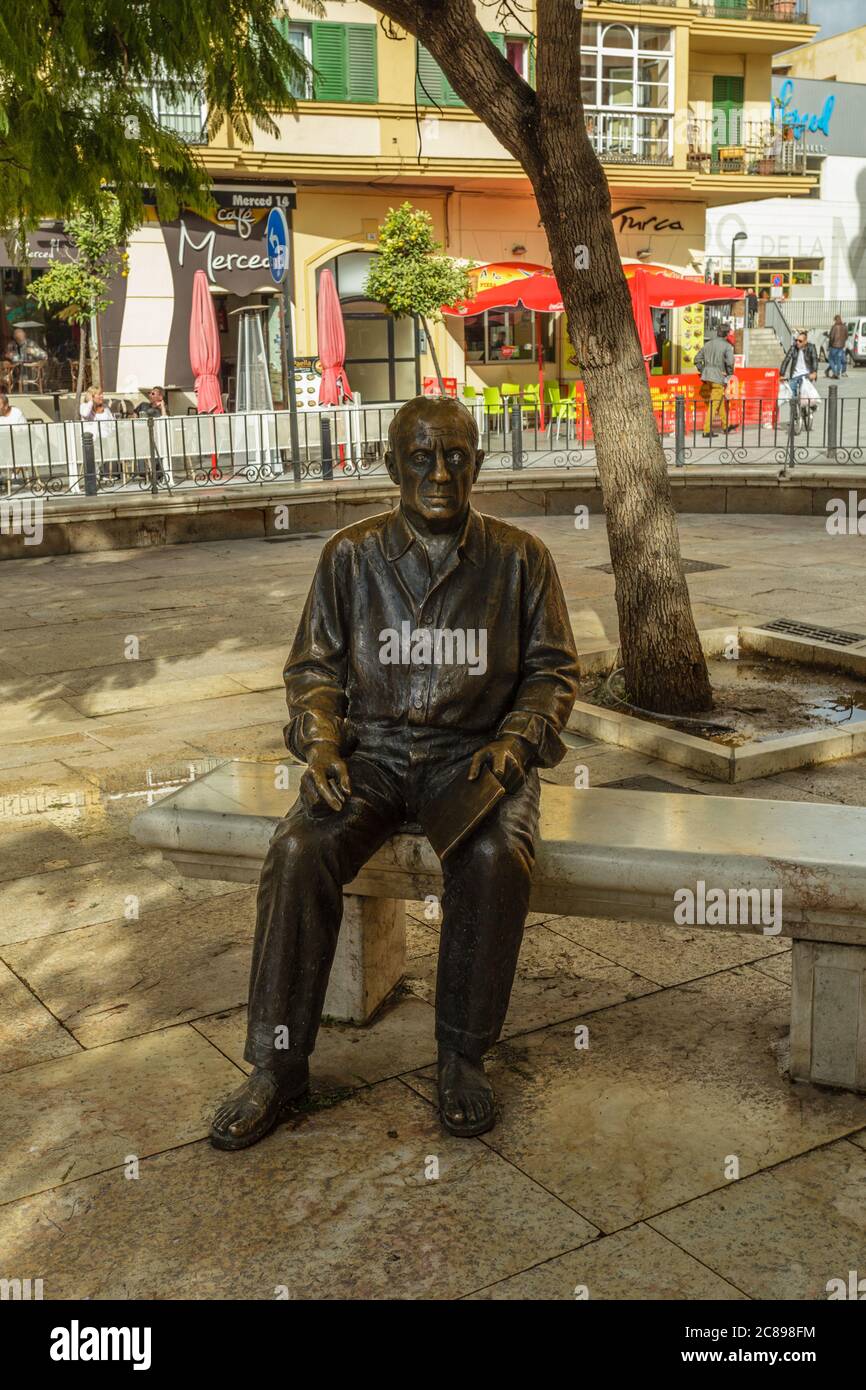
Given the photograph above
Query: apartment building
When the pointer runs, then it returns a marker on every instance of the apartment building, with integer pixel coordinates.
(678, 103)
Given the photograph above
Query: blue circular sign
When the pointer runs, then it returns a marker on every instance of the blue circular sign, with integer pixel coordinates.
(277, 243)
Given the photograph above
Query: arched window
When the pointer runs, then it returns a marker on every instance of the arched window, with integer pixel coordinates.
(381, 351)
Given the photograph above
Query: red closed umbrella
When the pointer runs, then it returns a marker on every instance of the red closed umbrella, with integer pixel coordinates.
(204, 348)
(334, 387)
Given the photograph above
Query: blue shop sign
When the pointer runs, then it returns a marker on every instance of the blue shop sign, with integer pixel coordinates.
(277, 242)
(791, 117)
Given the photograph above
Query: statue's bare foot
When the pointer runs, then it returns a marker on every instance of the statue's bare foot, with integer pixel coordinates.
(467, 1104)
(257, 1106)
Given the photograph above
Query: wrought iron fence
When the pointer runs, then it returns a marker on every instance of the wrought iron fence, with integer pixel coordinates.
(743, 147)
(182, 454)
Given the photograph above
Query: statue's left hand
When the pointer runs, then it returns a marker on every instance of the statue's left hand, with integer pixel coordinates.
(507, 759)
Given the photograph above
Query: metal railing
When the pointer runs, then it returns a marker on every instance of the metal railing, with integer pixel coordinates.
(183, 454)
(744, 147)
(769, 11)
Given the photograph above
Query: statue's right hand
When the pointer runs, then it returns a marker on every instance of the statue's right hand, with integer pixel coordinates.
(326, 780)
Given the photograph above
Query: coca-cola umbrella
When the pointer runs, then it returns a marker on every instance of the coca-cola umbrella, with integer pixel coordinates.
(652, 289)
(510, 285)
(514, 285)
(204, 348)
(334, 386)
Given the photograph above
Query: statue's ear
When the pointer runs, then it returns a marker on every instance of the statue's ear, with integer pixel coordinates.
(479, 459)
(393, 472)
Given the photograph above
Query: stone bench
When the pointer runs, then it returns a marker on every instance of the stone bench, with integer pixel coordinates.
(600, 853)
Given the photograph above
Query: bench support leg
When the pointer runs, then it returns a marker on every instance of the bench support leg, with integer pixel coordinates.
(370, 959)
(828, 1014)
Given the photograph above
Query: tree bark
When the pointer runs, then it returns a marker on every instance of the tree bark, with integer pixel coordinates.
(664, 665)
(82, 359)
(432, 347)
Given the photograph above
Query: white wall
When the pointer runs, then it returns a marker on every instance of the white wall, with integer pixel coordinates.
(832, 227)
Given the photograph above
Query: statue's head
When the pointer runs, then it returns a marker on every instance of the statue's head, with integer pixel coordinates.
(434, 459)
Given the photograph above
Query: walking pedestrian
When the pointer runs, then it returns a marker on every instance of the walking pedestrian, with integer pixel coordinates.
(837, 342)
(715, 362)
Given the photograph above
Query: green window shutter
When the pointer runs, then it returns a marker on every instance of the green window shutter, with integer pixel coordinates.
(329, 60)
(363, 83)
(498, 41)
(432, 84)
(728, 93)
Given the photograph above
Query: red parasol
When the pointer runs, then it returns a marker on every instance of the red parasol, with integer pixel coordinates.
(652, 289)
(204, 348)
(334, 386)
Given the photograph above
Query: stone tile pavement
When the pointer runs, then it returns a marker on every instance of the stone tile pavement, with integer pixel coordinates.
(122, 991)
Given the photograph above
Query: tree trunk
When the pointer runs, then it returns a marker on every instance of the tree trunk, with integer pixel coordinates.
(432, 348)
(82, 359)
(664, 665)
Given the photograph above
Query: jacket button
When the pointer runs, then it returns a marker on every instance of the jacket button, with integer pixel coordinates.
(418, 702)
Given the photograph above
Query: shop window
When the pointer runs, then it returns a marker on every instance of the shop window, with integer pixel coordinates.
(509, 335)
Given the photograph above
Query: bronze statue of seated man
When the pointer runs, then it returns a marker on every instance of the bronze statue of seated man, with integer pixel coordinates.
(433, 651)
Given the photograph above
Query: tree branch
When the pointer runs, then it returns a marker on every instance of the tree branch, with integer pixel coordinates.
(478, 72)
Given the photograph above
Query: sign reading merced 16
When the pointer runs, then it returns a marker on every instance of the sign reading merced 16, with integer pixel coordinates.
(277, 243)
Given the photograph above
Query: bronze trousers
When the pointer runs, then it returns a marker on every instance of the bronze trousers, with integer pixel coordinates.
(312, 856)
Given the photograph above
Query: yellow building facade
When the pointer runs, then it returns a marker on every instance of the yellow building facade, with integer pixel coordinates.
(678, 104)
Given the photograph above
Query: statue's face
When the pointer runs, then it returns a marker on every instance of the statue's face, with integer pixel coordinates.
(435, 463)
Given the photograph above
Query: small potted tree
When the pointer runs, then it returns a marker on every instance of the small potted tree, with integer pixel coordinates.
(410, 277)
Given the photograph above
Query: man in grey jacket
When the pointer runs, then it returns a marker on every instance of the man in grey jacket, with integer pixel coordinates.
(715, 362)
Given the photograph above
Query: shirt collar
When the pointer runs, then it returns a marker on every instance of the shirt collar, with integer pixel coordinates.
(398, 536)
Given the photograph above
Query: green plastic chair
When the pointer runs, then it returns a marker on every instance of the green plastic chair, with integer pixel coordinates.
(509, 388)
(469, 393)
(493, 407)
(532, 402)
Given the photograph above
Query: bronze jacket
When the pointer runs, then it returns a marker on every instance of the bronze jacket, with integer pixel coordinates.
(361, 664)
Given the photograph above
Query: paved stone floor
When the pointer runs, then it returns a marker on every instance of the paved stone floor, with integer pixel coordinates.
(122, 992)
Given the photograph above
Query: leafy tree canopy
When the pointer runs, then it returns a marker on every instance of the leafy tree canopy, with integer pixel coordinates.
(409, 276)
(80, 287)
(75, 97)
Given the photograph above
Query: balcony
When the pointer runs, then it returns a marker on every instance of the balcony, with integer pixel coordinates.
(761, 148)
(184, 113)
(630, 137)
(769, 11)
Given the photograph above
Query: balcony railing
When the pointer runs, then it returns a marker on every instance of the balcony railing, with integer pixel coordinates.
(629, 137)
(770, 11)
(758, 147)
(786, 11)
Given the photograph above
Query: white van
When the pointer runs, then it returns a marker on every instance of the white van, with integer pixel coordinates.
(856, 345)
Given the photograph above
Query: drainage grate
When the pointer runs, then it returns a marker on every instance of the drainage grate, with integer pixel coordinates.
(689, 567)
(831, 635)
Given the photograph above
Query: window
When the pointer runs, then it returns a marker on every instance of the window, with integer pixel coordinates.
(184, 112)
(381, 361)
(517, 53)
(626, 86)
(343, 58)
(509, 335)
(301, 39)
(433, 88)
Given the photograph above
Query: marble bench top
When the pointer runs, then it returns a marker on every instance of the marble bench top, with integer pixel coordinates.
(599, 852)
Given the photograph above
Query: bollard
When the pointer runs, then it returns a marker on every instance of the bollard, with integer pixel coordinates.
(680, 432)
(516, 433)
(327, 449)
(91, 486)
(832, 421)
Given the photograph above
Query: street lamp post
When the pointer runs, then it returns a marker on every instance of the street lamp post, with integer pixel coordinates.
(741, 236)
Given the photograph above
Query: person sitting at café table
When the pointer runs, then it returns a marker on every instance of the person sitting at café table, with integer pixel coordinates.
(155, 403)
(93, 409)
(10, 414)
(25, 349)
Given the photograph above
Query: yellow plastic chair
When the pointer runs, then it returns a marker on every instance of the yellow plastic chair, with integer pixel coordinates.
(493, 407)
